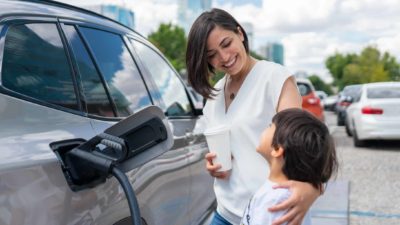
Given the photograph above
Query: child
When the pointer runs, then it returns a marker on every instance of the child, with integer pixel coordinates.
(299, 147)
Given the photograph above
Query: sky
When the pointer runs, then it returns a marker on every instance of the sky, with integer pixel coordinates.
(310, 30)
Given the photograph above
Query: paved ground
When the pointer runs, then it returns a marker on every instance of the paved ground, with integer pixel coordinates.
(332, 208)
(371, 177)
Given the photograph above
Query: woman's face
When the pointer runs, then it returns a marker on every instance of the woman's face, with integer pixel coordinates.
(226, 52)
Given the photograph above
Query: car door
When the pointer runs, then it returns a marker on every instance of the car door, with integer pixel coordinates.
(171, 95)
(40, 104)
(113, 77)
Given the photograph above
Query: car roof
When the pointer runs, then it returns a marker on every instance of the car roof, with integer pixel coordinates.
(47, 8)
(352, 86)
(303, 80)
(382, 84)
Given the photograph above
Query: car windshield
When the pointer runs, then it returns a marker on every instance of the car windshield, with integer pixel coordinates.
(351, 91)
(304, 89)
(383, 92)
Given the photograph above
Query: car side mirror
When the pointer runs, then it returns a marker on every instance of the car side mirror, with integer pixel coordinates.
(198, 110)
(349, 99)
(197, 101)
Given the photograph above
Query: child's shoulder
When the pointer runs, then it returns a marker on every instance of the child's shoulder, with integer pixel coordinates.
(280, 194)
(256, 211)
(272, 196)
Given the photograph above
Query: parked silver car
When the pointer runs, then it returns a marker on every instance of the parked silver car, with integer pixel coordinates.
(374, 113)
(344, 101)
(67, 73)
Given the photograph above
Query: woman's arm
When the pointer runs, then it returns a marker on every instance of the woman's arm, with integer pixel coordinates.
(302, 197)
(290, 96)
(303, 194)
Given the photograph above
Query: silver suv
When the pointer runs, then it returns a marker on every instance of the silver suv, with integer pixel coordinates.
(67, 73)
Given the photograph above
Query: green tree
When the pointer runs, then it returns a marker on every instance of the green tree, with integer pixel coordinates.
(372, 65)
(336, 64)
(369, 66)
(352, 74)
(320, 85)
(390, 65)
(171, 41)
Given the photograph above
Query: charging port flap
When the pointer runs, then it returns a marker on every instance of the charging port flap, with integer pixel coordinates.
(126, 145)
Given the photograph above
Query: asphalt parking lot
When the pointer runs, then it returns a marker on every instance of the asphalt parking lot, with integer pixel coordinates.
(371, 175)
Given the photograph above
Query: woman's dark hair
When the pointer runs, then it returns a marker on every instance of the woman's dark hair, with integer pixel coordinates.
(309, 150)
(198, 68)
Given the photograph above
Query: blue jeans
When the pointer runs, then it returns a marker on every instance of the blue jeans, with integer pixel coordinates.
(219, 220)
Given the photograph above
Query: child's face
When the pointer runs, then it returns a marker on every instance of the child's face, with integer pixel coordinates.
(265, 146)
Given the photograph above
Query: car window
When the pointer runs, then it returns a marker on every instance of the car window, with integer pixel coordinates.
(119, 70)
(357, 97)
(351, 91)
(304, 89)
(96, 98)
(35, 64)
(383, 92)
(171, 89)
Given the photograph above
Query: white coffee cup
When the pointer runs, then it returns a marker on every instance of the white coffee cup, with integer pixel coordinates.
(218, 143)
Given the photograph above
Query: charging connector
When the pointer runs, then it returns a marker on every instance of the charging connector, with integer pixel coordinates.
(124, 146)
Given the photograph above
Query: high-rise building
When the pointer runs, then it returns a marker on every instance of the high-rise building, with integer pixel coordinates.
(189, 10)
(118, 13)
(273, 52)
(257, 3)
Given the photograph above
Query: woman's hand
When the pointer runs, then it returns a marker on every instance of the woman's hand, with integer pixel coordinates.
(302, 197)
(212, 168)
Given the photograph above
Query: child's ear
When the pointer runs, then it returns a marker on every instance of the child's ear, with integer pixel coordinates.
(277, 152)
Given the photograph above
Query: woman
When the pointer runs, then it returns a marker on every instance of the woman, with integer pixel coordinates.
(246, 99)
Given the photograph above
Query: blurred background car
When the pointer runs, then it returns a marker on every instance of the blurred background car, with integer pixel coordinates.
(311, 101)
(330, 103)
(345, 99)
(321, 95)
(375, 113)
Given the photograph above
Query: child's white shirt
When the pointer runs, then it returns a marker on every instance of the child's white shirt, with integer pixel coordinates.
(256, 212)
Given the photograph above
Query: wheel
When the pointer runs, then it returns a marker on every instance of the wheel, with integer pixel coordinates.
(358, 142)
(340, 120)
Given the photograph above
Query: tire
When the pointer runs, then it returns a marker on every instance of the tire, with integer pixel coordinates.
(358, 142)
(348, 131)
(340, 121)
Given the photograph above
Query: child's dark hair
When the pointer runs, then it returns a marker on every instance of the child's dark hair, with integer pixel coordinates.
(309, 150)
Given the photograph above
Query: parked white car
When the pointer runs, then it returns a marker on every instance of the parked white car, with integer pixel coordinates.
(375, 112)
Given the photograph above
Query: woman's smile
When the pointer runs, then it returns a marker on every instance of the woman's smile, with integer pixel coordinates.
(230, 63)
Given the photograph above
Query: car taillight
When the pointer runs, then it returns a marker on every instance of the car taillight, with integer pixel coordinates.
(370, 110)
(344, 103)
(313, 101)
